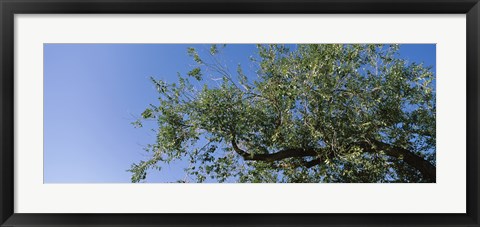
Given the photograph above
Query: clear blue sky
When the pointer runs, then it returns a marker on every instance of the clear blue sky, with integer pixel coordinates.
(92, 92)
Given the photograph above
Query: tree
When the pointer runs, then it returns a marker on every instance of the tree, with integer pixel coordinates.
(310, 113)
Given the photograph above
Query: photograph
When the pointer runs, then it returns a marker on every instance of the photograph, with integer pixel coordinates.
(239, 113)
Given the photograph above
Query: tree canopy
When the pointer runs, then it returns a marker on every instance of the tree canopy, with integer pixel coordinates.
(306, 113)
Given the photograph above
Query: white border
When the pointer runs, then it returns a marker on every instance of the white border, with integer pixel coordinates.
(448, 195)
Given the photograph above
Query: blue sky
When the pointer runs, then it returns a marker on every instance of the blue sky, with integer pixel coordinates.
(92, 92)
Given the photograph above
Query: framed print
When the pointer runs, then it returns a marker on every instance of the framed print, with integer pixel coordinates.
(215, 113)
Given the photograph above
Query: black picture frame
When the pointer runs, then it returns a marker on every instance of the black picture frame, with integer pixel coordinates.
(9, 8)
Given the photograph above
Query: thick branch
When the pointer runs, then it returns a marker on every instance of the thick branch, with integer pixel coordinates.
(425, 167)
(312, 163)
(286, 153)
(427, 170)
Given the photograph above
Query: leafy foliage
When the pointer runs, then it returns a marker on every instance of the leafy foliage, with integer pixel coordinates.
(310, 113)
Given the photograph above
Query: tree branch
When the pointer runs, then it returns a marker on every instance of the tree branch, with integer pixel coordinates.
(312, 163)
(282, 154)
(427, 170)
